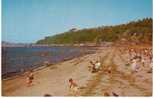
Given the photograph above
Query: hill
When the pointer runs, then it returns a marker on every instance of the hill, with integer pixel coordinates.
(135, 31)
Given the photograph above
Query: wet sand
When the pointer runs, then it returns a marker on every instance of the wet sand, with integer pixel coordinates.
(53, 79)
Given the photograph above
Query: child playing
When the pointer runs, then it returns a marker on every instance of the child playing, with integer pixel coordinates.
(73, 87)
(30, 78)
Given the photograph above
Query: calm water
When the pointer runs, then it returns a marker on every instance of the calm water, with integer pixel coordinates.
(17, 60)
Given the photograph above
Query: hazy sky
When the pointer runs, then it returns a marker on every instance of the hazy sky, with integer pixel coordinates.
(27, 21)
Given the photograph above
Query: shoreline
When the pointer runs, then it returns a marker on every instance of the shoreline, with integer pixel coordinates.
(53, 79)
(65, 70)
(18, 73)
(40, 67)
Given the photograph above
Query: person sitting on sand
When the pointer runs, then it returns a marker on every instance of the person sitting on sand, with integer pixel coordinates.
(93, 67)
(97, 65)
(73, 87)
(30, 78)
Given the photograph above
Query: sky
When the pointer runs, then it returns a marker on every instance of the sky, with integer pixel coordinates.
(26, 21)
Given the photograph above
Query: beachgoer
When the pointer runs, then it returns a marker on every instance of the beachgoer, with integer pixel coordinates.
(74, 89)
(143, 61)
(150, 67)
(150, 58)
(30, 78)
(106, 94)
(134, 65)
(114, 94)
(47, 95)
(151, 64)
(97, 65)
(93, 67)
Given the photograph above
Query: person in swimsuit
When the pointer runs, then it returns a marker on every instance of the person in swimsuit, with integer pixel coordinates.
(30, 78)
(74, 89)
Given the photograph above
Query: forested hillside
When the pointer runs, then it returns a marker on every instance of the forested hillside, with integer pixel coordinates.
(139, 31)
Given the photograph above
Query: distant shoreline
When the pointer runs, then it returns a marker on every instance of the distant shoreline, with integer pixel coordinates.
(51, 45)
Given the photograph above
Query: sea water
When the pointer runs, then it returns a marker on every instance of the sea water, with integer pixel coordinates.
(20, 59)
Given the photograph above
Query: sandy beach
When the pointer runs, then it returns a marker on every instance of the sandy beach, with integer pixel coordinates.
(53, 79)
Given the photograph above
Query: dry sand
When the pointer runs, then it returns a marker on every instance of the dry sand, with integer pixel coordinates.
(53, 80)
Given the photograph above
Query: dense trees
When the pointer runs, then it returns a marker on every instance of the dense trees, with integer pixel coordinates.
(140, 31)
